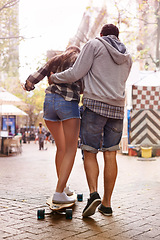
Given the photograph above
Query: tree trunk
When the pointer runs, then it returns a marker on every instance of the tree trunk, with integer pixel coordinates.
(157, 44)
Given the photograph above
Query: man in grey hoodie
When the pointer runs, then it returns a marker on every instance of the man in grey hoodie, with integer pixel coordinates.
(104, 65)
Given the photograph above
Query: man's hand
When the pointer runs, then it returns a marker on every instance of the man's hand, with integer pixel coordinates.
(50, 82)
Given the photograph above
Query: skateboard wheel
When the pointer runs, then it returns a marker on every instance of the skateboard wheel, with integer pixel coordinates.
(68, 213)
(40, 214)
(80, 197)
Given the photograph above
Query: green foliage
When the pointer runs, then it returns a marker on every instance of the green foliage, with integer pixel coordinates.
(9, 58)
(34, 101)
(9, 37)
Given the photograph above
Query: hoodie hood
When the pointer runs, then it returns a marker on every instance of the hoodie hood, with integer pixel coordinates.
(116, 49)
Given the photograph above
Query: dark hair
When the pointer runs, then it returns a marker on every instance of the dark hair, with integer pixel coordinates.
(63, 61)
(73, 48)
(109, 29)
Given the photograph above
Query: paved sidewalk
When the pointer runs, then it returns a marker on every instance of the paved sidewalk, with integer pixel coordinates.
(28, 179)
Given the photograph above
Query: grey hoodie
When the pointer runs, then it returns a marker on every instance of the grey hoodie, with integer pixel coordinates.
(104, 66)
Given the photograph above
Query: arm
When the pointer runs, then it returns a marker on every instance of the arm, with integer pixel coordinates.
(36, 77)
(79, 69)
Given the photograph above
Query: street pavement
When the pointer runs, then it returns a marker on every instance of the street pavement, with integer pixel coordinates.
(28, 179)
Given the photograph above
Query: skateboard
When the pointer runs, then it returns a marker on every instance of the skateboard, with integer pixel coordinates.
(60, 207)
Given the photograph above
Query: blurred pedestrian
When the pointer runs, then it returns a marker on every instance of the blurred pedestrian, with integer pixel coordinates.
(41, 136)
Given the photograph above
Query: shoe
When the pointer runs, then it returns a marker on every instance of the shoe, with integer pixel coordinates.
(107, 211)
(68, 191)
(62, 198)
(92, 204)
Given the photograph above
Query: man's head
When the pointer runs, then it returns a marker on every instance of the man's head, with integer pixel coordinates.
(109, 29)
(40, 124)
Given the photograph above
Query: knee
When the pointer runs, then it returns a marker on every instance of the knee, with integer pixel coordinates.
(109, 155)
(60, 150)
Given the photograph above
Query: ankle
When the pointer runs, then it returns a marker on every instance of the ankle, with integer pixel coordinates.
(58, 191)
(106, 203)
(92, 193)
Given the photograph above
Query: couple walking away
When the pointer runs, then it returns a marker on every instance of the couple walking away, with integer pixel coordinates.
(102, 68)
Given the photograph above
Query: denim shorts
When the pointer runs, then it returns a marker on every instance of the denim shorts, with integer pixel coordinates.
(100, 133)
(56, 108)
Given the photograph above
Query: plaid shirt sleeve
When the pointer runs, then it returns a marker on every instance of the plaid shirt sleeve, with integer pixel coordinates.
(36, 77)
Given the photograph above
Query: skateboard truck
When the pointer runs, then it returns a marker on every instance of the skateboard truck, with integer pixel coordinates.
(41, 214)
(59, 207)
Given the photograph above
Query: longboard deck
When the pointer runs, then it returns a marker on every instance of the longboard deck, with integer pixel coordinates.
(60, 206)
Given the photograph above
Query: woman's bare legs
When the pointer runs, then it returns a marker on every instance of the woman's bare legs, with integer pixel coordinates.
(56, 129)
(65, 135)
(71, 133)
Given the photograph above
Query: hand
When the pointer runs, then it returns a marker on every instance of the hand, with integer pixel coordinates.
(50, 82)
(28, 86)
(22, 85)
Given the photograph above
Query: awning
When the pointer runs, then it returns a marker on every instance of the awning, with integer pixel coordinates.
(8, 98)
(11, 110)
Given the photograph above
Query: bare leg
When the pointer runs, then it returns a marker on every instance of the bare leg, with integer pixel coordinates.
(110, 175)
(56, 129)
(71, 133)
(92, 170)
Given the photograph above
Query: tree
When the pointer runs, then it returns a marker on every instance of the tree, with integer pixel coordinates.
(9, 41)
(34, 100)
(90, 24)
(8, 4)
(9, 58)
(157, 14)
(139, 24)
(149, 35)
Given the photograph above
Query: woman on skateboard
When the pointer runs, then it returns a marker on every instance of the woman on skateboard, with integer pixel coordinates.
(62, 117)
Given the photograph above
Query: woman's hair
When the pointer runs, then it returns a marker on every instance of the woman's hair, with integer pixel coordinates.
(73, 48)
(63, 61)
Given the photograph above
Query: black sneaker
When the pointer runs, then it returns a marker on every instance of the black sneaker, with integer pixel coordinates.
(107, 211)
(92, 204)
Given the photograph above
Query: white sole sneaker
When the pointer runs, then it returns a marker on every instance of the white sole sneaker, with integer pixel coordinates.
(62, 198)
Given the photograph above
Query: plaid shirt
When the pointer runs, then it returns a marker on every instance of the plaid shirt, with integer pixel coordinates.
(104, 109)
(68, 91)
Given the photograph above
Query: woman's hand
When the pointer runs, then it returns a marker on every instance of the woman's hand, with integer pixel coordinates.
(28, 86)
